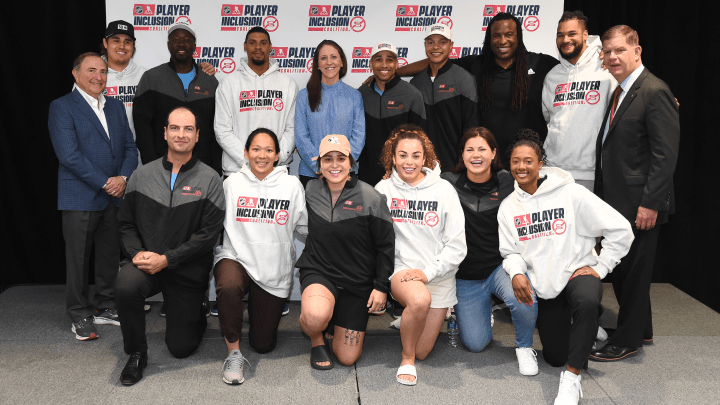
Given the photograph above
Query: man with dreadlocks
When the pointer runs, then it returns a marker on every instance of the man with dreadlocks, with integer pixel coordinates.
(509, 80)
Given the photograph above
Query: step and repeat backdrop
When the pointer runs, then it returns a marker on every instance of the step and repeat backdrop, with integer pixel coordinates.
(296, 27)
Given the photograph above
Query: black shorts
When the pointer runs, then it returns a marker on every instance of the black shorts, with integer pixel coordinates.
(350, 311)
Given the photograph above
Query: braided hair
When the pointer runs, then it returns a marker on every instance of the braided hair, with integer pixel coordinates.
(521, 80)
(528, 137)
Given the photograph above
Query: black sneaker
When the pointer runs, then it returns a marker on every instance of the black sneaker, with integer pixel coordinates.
(286, 310)
(84, 329)
(162, 309)
(106, 317)
(214, 310)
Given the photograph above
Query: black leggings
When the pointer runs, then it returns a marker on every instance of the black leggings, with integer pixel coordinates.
(232, 283)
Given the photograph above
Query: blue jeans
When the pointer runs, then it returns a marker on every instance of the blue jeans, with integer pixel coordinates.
(474, 308)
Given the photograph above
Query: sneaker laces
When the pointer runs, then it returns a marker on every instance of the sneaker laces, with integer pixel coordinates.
(527, 354)
(235, 362)
(567, 386)
(83, 323)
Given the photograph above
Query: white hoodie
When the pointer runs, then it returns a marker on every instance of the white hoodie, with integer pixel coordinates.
(550, 234)
(260, 216)
(244, 102)
(122, 86)
(429, 225)
(574, 100)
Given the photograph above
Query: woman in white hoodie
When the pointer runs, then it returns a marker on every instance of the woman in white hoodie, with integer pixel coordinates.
(263, 206)
(429, 241)
(548, 227)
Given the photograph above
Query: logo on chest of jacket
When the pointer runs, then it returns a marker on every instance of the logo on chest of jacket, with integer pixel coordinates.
(193, 191)
(573, 93)
(445, 89)
(261, 100)
(395, 106)
(349, 204)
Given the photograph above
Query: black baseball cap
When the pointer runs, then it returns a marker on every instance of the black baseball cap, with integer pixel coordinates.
(120, 27)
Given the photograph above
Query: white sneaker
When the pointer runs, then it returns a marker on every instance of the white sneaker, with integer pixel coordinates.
(233, 368)
(601, 335)
(527, 359)
(570, 390)
(492, 320)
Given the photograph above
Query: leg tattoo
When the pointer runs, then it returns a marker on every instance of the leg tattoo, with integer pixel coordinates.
(351, 337)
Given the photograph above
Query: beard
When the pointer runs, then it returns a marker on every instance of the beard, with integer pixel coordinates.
(258, 62)
(574, 53)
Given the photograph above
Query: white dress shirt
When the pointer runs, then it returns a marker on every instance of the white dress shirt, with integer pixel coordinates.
(98, 107)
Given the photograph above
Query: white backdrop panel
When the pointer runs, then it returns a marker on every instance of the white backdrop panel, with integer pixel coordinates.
(296, 27)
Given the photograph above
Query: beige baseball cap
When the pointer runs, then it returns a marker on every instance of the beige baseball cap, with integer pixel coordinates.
(439, 29)
(334, 143)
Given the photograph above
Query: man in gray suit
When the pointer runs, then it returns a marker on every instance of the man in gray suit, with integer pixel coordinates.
(637, 150)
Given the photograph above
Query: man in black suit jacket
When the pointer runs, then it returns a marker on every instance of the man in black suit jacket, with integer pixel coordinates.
(637, 150)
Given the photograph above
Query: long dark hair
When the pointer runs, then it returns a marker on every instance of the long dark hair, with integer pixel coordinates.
(521, 81)
(484, 133)
(314, 85)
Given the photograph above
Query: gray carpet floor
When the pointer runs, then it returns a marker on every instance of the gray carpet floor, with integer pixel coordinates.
(41, 362)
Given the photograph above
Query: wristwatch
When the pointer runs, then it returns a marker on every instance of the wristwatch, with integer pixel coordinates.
(124, 178)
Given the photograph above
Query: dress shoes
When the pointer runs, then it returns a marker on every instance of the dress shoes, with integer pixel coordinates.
(646, 341)
(612, 353)
(133, 371)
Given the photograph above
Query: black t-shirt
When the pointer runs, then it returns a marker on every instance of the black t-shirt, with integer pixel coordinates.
(500, 119)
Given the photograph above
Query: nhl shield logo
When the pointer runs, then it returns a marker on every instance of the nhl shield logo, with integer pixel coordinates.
(314, 10)
(138, 9)
(401, 10)
(226, 10)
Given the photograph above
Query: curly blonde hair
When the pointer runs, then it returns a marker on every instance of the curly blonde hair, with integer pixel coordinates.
(408, 131)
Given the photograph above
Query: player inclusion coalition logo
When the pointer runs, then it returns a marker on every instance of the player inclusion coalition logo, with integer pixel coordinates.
(527, 14)
(238, 17)
(418, 18)
(261, 100)
(540, 224)
(159, 17)
(416, 212)
(262, 210)
(293, 59)
(584, 92)
(361, 59)
(336, 18)
(222, 58)
(125, 94)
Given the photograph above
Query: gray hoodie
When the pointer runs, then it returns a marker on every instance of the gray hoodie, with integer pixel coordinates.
(574, 100)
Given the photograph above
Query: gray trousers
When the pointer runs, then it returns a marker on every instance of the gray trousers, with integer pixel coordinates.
(82, 230)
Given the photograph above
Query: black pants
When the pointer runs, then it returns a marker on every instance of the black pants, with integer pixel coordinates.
(631, 281)
(565, 343)
(184, 314)
(82, 229)
(232, 283)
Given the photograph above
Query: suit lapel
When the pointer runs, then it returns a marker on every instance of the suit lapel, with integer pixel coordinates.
(89, 114)
(627, 100)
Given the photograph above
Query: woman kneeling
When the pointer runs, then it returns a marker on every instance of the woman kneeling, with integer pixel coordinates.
(347, 259)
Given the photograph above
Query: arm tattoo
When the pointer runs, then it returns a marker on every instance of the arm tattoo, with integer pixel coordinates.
(352, 337)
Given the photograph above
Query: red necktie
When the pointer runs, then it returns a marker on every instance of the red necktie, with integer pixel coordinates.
(616, 97)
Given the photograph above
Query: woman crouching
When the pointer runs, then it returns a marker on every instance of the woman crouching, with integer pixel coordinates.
(430, 239)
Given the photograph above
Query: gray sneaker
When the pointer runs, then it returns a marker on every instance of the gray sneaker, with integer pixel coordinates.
(232, 370)
(107, 317)
(84, 329)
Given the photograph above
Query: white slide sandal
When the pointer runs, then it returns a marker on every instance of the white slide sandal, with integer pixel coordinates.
(407, 369)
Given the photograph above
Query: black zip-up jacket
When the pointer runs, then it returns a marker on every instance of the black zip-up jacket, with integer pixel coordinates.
(500, 119)
(183, 223)
(353, 243)
(400, 103)
(450, 107)
(481, 224)
(159, 91)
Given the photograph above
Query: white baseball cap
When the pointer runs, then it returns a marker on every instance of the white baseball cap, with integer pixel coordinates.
(439, 29)
(384, 46)
(181, 25)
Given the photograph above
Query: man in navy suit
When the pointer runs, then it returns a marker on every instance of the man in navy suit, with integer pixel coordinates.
(95, 148)
(636, 152)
